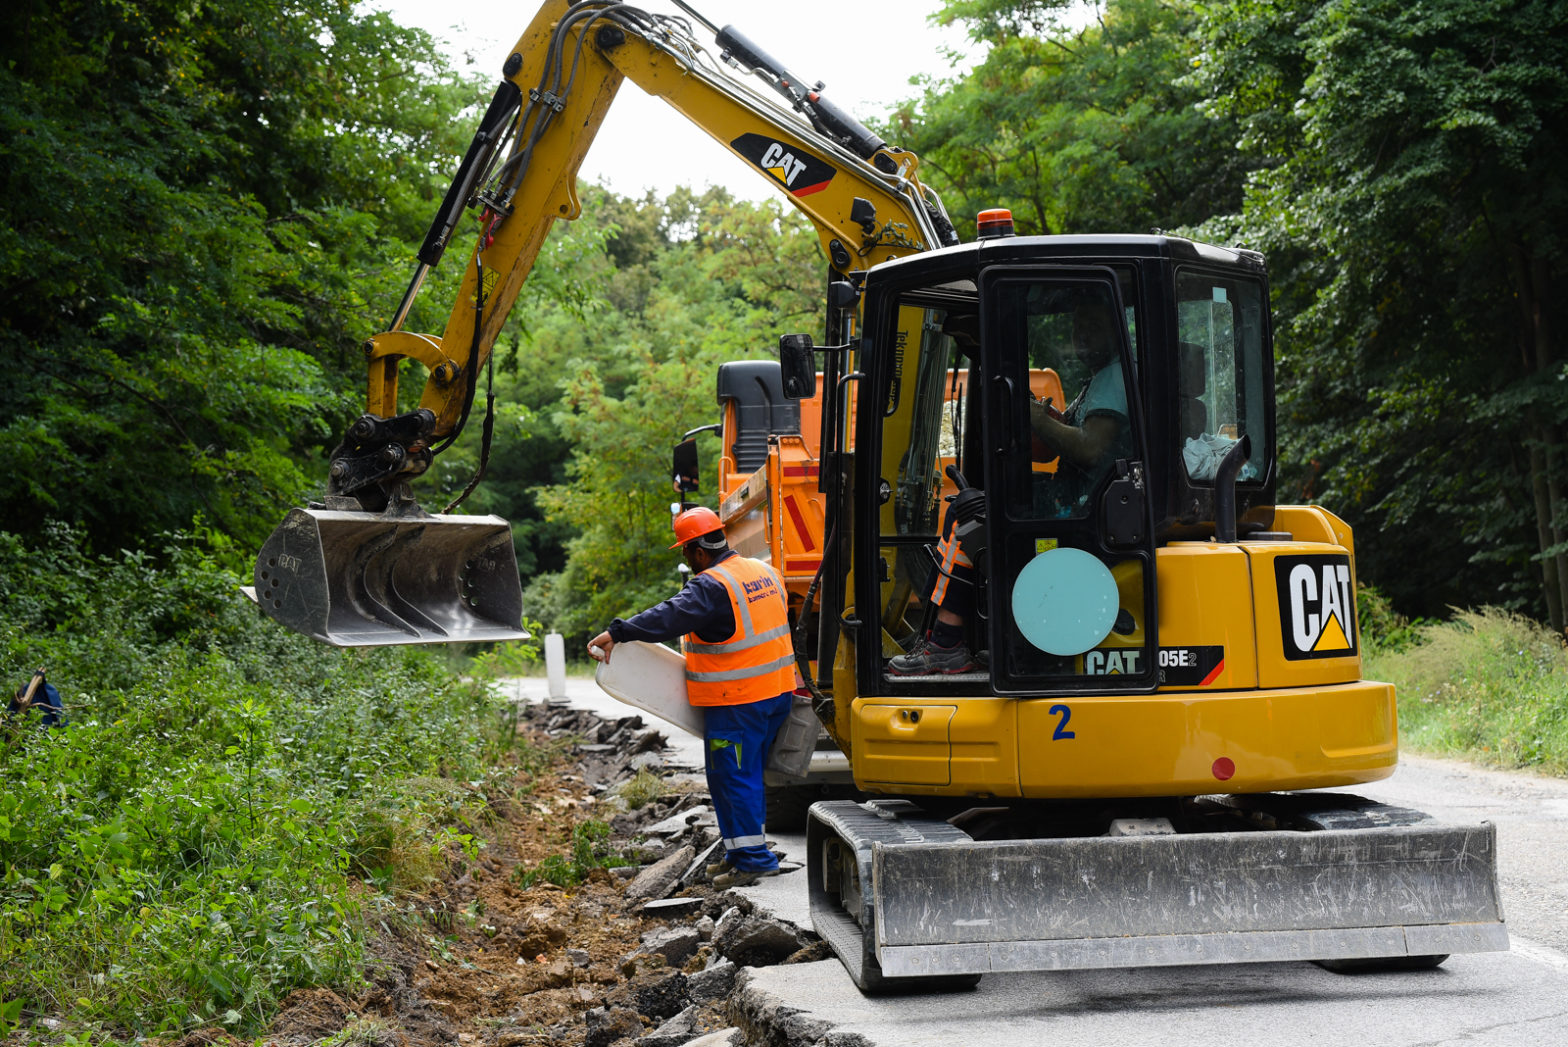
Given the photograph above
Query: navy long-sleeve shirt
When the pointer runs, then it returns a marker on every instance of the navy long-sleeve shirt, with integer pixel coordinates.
(701, 607)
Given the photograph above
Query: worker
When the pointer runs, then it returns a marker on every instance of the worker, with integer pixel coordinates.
(740, 669)
(1093, 431)
(941, 650)
(1088, 436)
(38, 695)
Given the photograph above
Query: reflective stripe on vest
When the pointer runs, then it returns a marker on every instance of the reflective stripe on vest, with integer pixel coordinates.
(952, 556)
(741, 674)
(739, 645)
(758, 660)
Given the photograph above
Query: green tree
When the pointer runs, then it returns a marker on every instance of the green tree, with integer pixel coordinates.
(201, 201)
(1411, 190)
(688, 282)
(1077, 129)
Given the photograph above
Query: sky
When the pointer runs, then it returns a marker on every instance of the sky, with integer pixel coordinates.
(865, 51)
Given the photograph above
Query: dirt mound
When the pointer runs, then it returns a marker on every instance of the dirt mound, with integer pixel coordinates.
(308, 1015)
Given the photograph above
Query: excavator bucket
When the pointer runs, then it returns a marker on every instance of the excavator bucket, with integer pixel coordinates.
(358, 579)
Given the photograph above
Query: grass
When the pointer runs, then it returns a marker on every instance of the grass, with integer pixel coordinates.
(642, 788)
(589, 851)
(1487, 685)
(196, 843)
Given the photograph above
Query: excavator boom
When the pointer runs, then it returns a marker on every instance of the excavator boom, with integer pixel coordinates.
(367, 566)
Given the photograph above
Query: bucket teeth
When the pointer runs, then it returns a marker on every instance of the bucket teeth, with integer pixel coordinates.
(373, 589)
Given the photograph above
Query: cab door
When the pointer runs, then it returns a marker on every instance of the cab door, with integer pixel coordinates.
(1069, 552)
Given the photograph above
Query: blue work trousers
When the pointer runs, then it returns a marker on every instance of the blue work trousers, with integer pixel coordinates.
(737, 739)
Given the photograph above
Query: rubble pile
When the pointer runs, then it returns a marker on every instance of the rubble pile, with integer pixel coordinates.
(645, 955)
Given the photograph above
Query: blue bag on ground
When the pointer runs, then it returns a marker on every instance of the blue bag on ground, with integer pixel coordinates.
(45, 701)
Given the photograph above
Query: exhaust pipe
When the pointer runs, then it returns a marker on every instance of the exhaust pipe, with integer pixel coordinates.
(358, 579)
(1225, 490)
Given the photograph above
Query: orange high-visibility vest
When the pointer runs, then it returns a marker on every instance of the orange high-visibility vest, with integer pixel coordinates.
(758, 660)
(951, 555)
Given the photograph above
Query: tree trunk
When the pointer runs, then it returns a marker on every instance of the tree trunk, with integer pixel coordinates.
(1531, 282)
(1546, 360)
(1555, 504)
(1551, 584)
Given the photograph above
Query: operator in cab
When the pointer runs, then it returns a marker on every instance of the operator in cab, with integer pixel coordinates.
(740, 669)
(1093, 431)
(1087, 437)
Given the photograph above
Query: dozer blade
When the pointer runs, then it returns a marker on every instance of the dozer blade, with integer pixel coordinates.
(925, 901)
(358, 579)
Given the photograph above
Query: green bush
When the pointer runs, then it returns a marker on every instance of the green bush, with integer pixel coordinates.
(1488, 685)
(1382, 627)
(181, 853)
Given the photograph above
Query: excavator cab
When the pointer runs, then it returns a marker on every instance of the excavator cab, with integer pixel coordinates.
(1059, 562)
(1160, 654)
(1092, 393)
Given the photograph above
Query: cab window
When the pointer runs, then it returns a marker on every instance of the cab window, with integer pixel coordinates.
(1077, 391)
(1220, 372)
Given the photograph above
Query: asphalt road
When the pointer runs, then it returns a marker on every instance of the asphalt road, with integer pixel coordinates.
(1514, 998)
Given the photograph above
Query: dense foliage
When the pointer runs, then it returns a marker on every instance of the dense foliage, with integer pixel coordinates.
(186, 850)
(1486, 685)
(1076, 129)
(206, 207)
(1412, 189)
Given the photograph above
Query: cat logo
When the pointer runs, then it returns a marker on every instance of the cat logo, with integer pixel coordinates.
(1317, 607)
(801, 174)
(782, 165)
(1113, 661)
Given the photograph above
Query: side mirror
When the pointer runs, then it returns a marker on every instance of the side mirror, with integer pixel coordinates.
(684, 468)
(798, 366)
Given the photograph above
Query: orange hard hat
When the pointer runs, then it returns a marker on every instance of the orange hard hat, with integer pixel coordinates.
(694, 523)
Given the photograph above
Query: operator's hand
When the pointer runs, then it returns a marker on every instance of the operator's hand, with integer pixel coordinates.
(600, 646)
(1047, 408)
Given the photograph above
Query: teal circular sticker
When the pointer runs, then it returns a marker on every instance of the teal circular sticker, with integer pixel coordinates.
(1065, 601)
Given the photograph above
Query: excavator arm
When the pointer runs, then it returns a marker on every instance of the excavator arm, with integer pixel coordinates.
(863, 196)
(368, 566)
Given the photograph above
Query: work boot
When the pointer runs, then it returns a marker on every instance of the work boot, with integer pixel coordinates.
(718, 868)
(742, 877)
(927, 659)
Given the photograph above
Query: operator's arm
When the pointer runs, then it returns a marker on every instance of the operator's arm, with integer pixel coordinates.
(1104, 414)
(702, 607)
(1084, 445)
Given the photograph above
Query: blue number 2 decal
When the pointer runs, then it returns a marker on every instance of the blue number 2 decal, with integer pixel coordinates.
(1061, 726)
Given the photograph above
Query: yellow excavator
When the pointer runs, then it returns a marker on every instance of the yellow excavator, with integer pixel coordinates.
(1167, 668)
